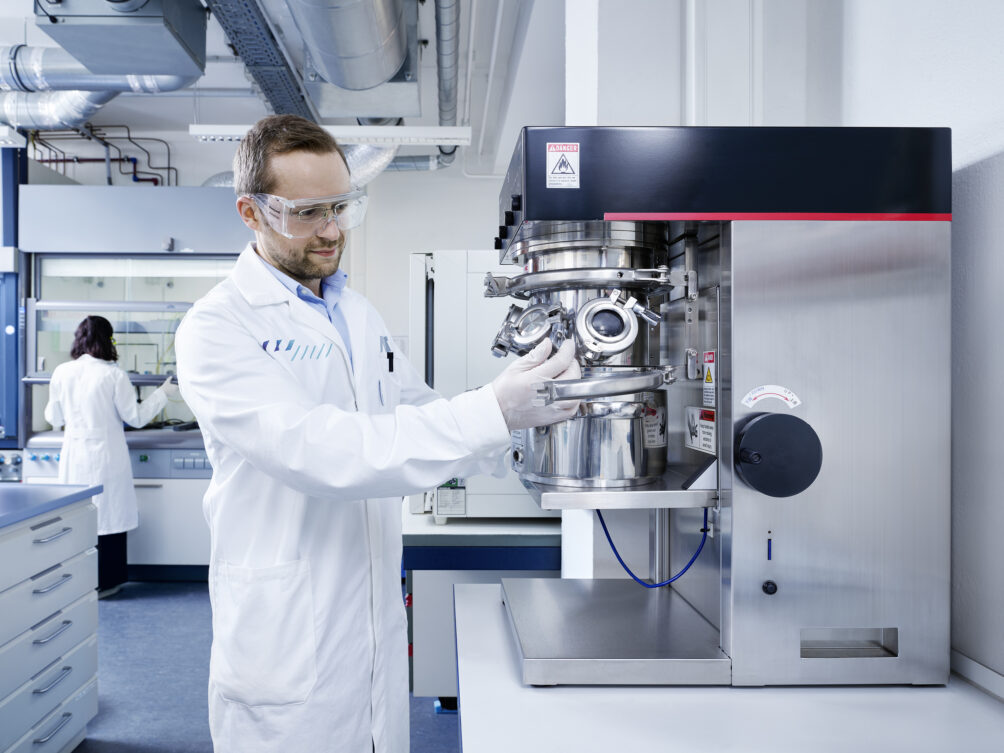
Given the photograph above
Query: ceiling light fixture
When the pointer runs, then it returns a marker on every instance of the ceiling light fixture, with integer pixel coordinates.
(349, 134)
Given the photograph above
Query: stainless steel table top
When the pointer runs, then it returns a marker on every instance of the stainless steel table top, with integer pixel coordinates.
(22, 501)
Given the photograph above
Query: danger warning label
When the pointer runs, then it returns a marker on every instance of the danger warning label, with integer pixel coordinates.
(562, 167)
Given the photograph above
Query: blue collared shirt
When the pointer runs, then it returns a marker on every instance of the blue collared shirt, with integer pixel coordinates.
(331, 295)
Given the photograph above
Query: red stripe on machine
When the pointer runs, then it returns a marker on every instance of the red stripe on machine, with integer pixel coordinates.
(828, 216)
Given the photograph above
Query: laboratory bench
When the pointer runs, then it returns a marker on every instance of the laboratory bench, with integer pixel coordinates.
(171, 473)
(48, 616)
(464, 550)
(498, 713)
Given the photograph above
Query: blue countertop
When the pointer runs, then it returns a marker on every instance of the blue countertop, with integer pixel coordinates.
(22, 501)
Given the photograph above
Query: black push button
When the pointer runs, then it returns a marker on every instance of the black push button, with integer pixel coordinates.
(777, 454)
(769, 587)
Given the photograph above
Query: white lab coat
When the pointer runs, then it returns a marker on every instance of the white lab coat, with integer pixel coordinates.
(310, 461)
(92, 398)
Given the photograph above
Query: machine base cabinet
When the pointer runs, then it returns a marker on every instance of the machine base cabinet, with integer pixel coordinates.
(48, 630)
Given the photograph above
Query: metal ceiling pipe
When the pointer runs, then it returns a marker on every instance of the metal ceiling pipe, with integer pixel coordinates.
(38, 69)
(45, 88)
(48, 111)
(447, 70)
(354, 44)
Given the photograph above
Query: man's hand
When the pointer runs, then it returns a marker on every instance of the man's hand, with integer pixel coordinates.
(515, 388)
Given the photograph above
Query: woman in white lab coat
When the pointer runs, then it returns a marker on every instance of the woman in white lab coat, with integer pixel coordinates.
(92, 397)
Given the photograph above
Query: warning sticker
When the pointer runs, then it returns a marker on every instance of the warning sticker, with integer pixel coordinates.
(701, 434)
(654, 423)
(709, 379)
(562, 165)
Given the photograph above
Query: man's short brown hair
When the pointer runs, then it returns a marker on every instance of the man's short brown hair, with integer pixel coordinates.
(276, 134)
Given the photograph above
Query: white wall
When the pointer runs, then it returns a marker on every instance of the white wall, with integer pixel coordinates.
(413, 212)
(931, 63)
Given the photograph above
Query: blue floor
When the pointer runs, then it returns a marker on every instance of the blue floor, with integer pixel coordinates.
(153, 667)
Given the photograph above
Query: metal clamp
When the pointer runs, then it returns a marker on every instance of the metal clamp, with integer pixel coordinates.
(605, 386)
(496, 286)
(630, 303)
(524, 329)
(522, 286)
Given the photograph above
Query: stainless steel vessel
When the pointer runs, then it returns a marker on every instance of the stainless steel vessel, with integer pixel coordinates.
(592, 283)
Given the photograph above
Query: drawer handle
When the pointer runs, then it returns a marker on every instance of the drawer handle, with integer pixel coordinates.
(148, 486)
(62, 676)
(59, 631)
(65, 577)
(43, 740)
(53, 537)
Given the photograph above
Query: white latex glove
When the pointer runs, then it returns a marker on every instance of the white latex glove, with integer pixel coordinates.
(170, 388)
(515, 388)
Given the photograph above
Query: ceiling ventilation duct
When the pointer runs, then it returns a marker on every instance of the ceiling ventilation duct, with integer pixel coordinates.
(129, 36)
(354, 44)
(45, 88)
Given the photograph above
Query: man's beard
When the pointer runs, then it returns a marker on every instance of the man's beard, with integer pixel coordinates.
(309, 267)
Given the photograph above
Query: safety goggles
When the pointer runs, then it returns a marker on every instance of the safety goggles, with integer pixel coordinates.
(303, 218)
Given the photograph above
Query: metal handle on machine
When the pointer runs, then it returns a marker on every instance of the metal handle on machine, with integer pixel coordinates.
(630, 303)
(606, 386)
(62, 676)
(66, 720)
(67, 624)
(53, 537)
(65, 577)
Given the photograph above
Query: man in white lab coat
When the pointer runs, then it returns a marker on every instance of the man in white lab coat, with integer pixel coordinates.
(315, 429)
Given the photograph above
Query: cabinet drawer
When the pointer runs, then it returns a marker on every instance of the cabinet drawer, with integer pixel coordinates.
(61, 726)
(40, 696)
(33, 600)
(46, 641)
(40, 542)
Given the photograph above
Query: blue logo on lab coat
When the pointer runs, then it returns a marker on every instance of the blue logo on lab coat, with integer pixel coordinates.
(298, 352)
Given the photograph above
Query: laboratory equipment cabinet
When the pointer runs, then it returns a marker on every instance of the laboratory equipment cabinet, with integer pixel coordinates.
(48, 617)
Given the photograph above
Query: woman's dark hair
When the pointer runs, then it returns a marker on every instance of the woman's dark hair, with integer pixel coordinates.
(94, 337)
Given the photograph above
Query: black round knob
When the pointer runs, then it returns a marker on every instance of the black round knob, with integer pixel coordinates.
(769, 587)
(510, 218)
(517, 202)
(777, 454)
(498, 243)
(503, 231)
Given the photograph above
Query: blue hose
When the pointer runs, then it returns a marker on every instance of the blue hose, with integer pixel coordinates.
(638, 580)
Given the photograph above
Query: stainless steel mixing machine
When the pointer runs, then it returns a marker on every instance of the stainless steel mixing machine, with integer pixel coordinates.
(762, 319)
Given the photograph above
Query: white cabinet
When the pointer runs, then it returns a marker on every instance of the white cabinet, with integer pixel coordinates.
(172, 528)
(48, 629)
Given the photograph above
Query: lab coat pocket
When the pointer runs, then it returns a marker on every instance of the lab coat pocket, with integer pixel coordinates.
(388, 392)
(264, 651)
